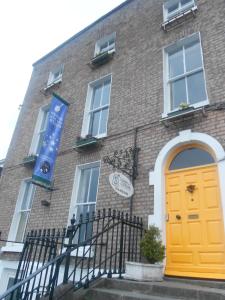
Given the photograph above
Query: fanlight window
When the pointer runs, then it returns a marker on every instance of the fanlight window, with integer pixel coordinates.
(191, 157)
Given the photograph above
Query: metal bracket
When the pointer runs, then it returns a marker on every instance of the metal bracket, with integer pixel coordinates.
(125, 161)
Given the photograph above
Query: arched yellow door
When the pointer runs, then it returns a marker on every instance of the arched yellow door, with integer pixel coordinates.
(195, 242)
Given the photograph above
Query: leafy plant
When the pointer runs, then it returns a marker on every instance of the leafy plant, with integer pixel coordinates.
(151, 245)
(183, 105)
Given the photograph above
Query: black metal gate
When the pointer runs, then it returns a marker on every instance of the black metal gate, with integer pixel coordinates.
(91, 247)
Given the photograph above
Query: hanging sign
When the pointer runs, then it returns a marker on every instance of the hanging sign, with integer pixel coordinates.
(45, 163)
(121, 184)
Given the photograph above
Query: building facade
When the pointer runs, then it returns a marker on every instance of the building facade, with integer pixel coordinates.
(149, 74)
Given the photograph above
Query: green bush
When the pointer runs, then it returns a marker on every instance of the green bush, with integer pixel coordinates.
(151, 245)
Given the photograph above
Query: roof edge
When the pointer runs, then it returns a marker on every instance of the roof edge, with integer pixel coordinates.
(83, 31)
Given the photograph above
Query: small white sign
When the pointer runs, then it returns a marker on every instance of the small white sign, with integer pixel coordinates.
(121, 184)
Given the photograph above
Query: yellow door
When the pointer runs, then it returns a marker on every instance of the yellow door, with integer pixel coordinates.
(195, 245)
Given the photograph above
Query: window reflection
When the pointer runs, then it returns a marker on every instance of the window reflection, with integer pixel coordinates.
(191, 157)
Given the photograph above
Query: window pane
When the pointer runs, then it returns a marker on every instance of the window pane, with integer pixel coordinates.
(83, 186)
(196, 88)
(44, 120)
(185, 2)
(28, 196)
(85, 230)
(40, 141)
(25, 196)
(56, 75)
(91, 209)
(22, 226)
(173, 7)
(103, 123)
(93, 185)
(95, 123)
(42, 130)
(89, 231)
(111, 42)
(191, 157)
(96, 97)
(81, 210)
(176, 64)
(193, 57)
(103, 47)
(178, 93)
(9, 285)
(105, 93)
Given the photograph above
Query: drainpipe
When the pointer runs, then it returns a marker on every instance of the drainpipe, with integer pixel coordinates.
(134, 169)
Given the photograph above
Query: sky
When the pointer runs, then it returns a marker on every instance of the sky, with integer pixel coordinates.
(29, 29)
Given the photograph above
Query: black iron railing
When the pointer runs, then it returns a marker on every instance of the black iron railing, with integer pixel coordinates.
(94, 246)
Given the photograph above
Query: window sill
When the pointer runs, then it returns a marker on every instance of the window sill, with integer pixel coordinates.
(87, 144)
(181, 114)
(29, 160)
(53, 84)
(180, 17)
(13, 247)
(102, 58)
(196, 106)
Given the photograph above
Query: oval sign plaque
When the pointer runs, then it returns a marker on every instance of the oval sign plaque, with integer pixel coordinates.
(121, 184)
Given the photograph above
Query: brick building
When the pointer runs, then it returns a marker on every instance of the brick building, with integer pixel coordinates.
(150, 72)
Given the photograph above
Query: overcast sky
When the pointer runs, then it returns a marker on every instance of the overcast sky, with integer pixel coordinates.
(29, 29)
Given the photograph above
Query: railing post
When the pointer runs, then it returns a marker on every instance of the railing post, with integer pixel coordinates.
(54, 281)
(70, 233)
(121, 247)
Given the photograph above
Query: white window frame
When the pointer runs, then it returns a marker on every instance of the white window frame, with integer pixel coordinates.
(168, 16)
(88, 111)
(7, 269)
(37, 130)
(75, 190)
(17, 247)
(104, 40)
(74, 197)
(52, 79)
(166, 51)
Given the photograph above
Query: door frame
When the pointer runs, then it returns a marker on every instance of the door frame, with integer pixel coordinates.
(157, 176)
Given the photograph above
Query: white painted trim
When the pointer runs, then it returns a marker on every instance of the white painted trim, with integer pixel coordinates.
(7, 270)
(12, 247)
(86, 116)
(157, 177)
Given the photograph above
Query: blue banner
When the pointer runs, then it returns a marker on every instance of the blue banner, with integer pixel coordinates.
(45, 163)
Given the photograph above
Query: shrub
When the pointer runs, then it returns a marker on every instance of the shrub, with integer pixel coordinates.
(151, 245)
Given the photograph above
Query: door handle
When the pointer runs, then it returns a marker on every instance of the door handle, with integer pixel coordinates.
(178, 217)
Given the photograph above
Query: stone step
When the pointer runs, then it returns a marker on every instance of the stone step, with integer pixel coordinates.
(109, 294)
(179, 290)
(218, 284)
